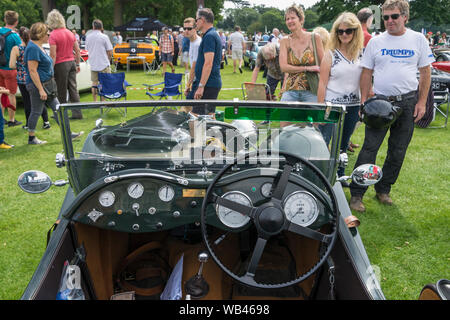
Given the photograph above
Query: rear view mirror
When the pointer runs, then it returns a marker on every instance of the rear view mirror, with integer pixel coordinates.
(34, 181)
(367, 175)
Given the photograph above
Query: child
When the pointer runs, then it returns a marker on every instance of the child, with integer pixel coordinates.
(4, 93)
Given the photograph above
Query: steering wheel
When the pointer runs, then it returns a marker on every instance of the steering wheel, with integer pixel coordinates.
(270, 220)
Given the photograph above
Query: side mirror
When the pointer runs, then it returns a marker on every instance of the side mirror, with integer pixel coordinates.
(365, 175)
(34, 181)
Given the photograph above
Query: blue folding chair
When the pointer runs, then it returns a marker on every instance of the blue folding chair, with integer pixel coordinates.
(172, 86)
(112, 86)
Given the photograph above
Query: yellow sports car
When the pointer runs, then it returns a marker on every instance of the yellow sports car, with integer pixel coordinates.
(133, 49)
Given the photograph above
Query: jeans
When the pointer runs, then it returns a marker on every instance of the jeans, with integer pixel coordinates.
(351, 118)
(401, 132)
(272, 83)
(37, 105)
(2, 134)
(27, 104)
(299, 96)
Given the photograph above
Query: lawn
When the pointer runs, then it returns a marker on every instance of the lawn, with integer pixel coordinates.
(409, 242)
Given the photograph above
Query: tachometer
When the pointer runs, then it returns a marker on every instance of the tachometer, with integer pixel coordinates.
(231, 218)
(166, 193)
(301, 208)
(135, 190)
(266, 189)
(107, 198)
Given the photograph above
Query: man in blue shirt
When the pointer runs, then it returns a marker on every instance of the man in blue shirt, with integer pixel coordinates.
(8, 76)
(207, 83)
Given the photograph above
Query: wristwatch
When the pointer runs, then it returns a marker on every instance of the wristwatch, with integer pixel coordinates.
(200, 85)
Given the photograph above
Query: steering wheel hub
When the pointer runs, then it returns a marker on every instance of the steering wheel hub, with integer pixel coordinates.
(271, 220)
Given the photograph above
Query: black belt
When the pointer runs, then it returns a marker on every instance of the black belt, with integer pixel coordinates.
(402, 97)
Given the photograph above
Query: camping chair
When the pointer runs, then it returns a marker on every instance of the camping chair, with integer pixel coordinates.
(112, 86)
(155, 65)
(441, 98)
(172, 86)
(256, 91)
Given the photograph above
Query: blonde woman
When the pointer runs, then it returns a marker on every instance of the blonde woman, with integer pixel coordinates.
(340, 71)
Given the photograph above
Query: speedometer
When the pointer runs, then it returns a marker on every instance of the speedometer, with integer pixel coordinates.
(301, 208)
(135, 190)
(231, 218)
(107, 198)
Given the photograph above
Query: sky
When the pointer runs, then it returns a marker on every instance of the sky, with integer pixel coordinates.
(280, 4)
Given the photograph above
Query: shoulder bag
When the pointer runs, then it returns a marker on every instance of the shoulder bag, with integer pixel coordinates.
(313, 77)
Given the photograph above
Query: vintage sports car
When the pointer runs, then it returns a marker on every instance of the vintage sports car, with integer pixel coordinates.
(165, 204)
(136, 47)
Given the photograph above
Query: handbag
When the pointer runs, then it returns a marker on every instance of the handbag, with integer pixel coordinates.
(313, 77)
(50, 87)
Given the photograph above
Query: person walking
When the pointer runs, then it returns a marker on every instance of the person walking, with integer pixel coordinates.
(236, 45)
(393, 59)
(167, 48)
(208, 82)
(7, 75)
(340, 72)
(65, 52)
(16, 62)
(40, 81)
(297, 57)
(194, 43)
(100, 52)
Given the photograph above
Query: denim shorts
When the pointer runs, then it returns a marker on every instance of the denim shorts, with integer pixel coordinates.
(166, 57)
(299, 96)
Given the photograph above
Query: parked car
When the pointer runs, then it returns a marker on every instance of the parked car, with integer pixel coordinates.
(442, 54)
(84, 82)
(136, 47)
(251, 53)
(227, 210)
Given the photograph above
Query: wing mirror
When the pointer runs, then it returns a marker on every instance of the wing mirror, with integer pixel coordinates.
(365, 175)
(34, 181)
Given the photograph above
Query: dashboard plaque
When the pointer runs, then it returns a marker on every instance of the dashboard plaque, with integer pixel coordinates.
(194, 193)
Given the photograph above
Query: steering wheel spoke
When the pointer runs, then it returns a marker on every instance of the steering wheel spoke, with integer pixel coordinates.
(242, 209)
(309, 233)
(256, 257)
(282, 182)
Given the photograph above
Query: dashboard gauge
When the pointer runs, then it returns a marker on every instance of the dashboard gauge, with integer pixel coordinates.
(266, 189)
(231, 218)
(301, 208)
(166, 193)
(107, 198)
(135, 190)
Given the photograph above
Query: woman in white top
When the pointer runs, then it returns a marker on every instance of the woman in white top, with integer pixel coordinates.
(340, 72)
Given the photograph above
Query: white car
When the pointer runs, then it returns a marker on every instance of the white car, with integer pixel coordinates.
(83, 77)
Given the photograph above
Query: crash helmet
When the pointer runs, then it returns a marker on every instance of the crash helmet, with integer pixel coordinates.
(378, 112)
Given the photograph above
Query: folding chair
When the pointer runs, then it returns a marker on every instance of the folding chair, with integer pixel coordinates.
(441, 98)
(112, 86)
(155, 66)
(257, 91)
(172, 86)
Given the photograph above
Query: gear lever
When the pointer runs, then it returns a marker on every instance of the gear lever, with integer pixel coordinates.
(196, 286)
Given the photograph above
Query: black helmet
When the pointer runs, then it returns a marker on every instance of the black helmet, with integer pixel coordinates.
(379, 113)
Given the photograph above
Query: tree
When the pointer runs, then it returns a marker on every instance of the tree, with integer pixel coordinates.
(273, 19)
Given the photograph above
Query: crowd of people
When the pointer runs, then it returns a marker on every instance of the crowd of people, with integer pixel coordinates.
(345, 66)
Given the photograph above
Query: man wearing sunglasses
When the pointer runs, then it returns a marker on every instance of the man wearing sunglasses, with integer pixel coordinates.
(194, 42)
(393, 59)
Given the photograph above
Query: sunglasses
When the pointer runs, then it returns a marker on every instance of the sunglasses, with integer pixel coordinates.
(346, 31)
(188, 28)
(394, 16)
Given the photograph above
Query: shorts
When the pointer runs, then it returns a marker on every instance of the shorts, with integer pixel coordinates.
(166, 57)
(8, 79)
(299, 96)
(185, 57)
(236, 54)
(209, 93)
(94, 74)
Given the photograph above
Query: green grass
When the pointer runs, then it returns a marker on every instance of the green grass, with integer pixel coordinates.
(409, 241)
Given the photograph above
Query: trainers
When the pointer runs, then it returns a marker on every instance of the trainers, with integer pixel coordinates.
(14, 123)
(5, 145)
(384, 198)
(77, 134)
(240, 69)
(46, 125)
(36, 141)
(357, 204)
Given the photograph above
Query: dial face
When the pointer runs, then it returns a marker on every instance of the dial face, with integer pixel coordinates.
(107, 198)
(266, 189)
(301, 208)
(135, 190)
(166, 193)
(231, 218)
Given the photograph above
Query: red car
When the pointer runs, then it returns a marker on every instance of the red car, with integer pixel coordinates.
(442, 65)
(84, 54)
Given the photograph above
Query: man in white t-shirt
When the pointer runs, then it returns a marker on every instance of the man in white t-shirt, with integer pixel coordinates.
(237, 46)
(195, 40)
(393, 59)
